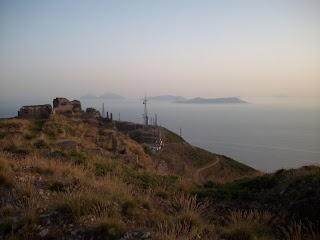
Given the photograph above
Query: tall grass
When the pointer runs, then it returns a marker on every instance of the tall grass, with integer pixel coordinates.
(299, 231)
(177, 231)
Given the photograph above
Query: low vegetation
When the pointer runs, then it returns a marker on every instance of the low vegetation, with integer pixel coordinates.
(60, 178)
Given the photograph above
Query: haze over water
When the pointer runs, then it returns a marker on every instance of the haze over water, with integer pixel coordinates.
(264, 136)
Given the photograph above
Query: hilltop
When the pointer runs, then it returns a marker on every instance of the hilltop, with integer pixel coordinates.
(85, 177)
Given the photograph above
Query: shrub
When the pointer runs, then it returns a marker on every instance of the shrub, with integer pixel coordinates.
(162, 194)
(57, 186)
(147, 205)
(129, 207)
(109, 229)
(101, 169)
(43, 171)
(192, 219)
(93, 110)
(148, 150)
(41, 144)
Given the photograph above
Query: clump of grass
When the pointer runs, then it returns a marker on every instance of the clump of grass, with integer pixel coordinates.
(57, 186)
(41, 144)
(193, 219)
(28, 207)
(129, 207)
(43, 171)
(7, 210)
(178, 231)
(299, 231)
(15, 150)
(148, 151)
(147, 205)
(109, 229)
(244, 224)
(182, 202)
(6, 177)
(162, 194)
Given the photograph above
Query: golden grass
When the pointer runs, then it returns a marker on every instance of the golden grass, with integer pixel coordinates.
(178, 231)
(299, 231)
(185, 203)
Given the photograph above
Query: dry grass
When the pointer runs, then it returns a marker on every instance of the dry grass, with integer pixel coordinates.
(185, 203)
(178, 231)
(247, 224)
(299, 231)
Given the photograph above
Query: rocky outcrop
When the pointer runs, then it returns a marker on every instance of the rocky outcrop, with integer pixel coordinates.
(64, 106)
(162, 167)
(67, 145)
(35, 111)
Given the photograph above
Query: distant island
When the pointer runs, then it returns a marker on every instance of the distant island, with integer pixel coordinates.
(167, 98)
(106, 95)
(198, 100)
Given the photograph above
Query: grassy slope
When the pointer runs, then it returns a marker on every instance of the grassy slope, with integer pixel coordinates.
(45, 187)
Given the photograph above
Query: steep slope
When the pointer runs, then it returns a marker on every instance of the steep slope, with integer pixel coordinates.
(63, 178)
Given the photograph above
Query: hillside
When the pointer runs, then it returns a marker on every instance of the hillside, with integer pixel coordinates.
(65, 177)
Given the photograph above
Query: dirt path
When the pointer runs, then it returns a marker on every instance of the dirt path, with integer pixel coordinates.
(203, 168)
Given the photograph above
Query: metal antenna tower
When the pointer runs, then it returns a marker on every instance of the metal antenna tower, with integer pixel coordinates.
(145, 115)
(103, 114)
(156, 120)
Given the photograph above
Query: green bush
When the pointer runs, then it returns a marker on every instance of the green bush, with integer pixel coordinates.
(148, 150)
(129, 207)
(93, 110)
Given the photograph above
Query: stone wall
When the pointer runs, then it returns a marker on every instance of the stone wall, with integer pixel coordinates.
(63, 105)
(35, 111)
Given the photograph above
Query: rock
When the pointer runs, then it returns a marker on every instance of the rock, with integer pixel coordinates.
(68, 145)
(145, 235)
(282, 192)
(114, 143)
(95, 151)
(44, 233)
(162, 166)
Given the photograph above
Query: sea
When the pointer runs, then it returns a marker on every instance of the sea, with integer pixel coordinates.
(268, 133)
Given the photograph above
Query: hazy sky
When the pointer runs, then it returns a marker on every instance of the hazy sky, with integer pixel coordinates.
(191, 48)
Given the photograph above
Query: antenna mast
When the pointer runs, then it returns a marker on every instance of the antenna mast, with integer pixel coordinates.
(103, 115)
(145, 115)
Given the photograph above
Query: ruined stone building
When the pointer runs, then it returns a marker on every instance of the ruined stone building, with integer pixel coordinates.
(63, 105)
(36, 110)
(60, 106)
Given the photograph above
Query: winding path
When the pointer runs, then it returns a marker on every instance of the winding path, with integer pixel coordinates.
(203, 168)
